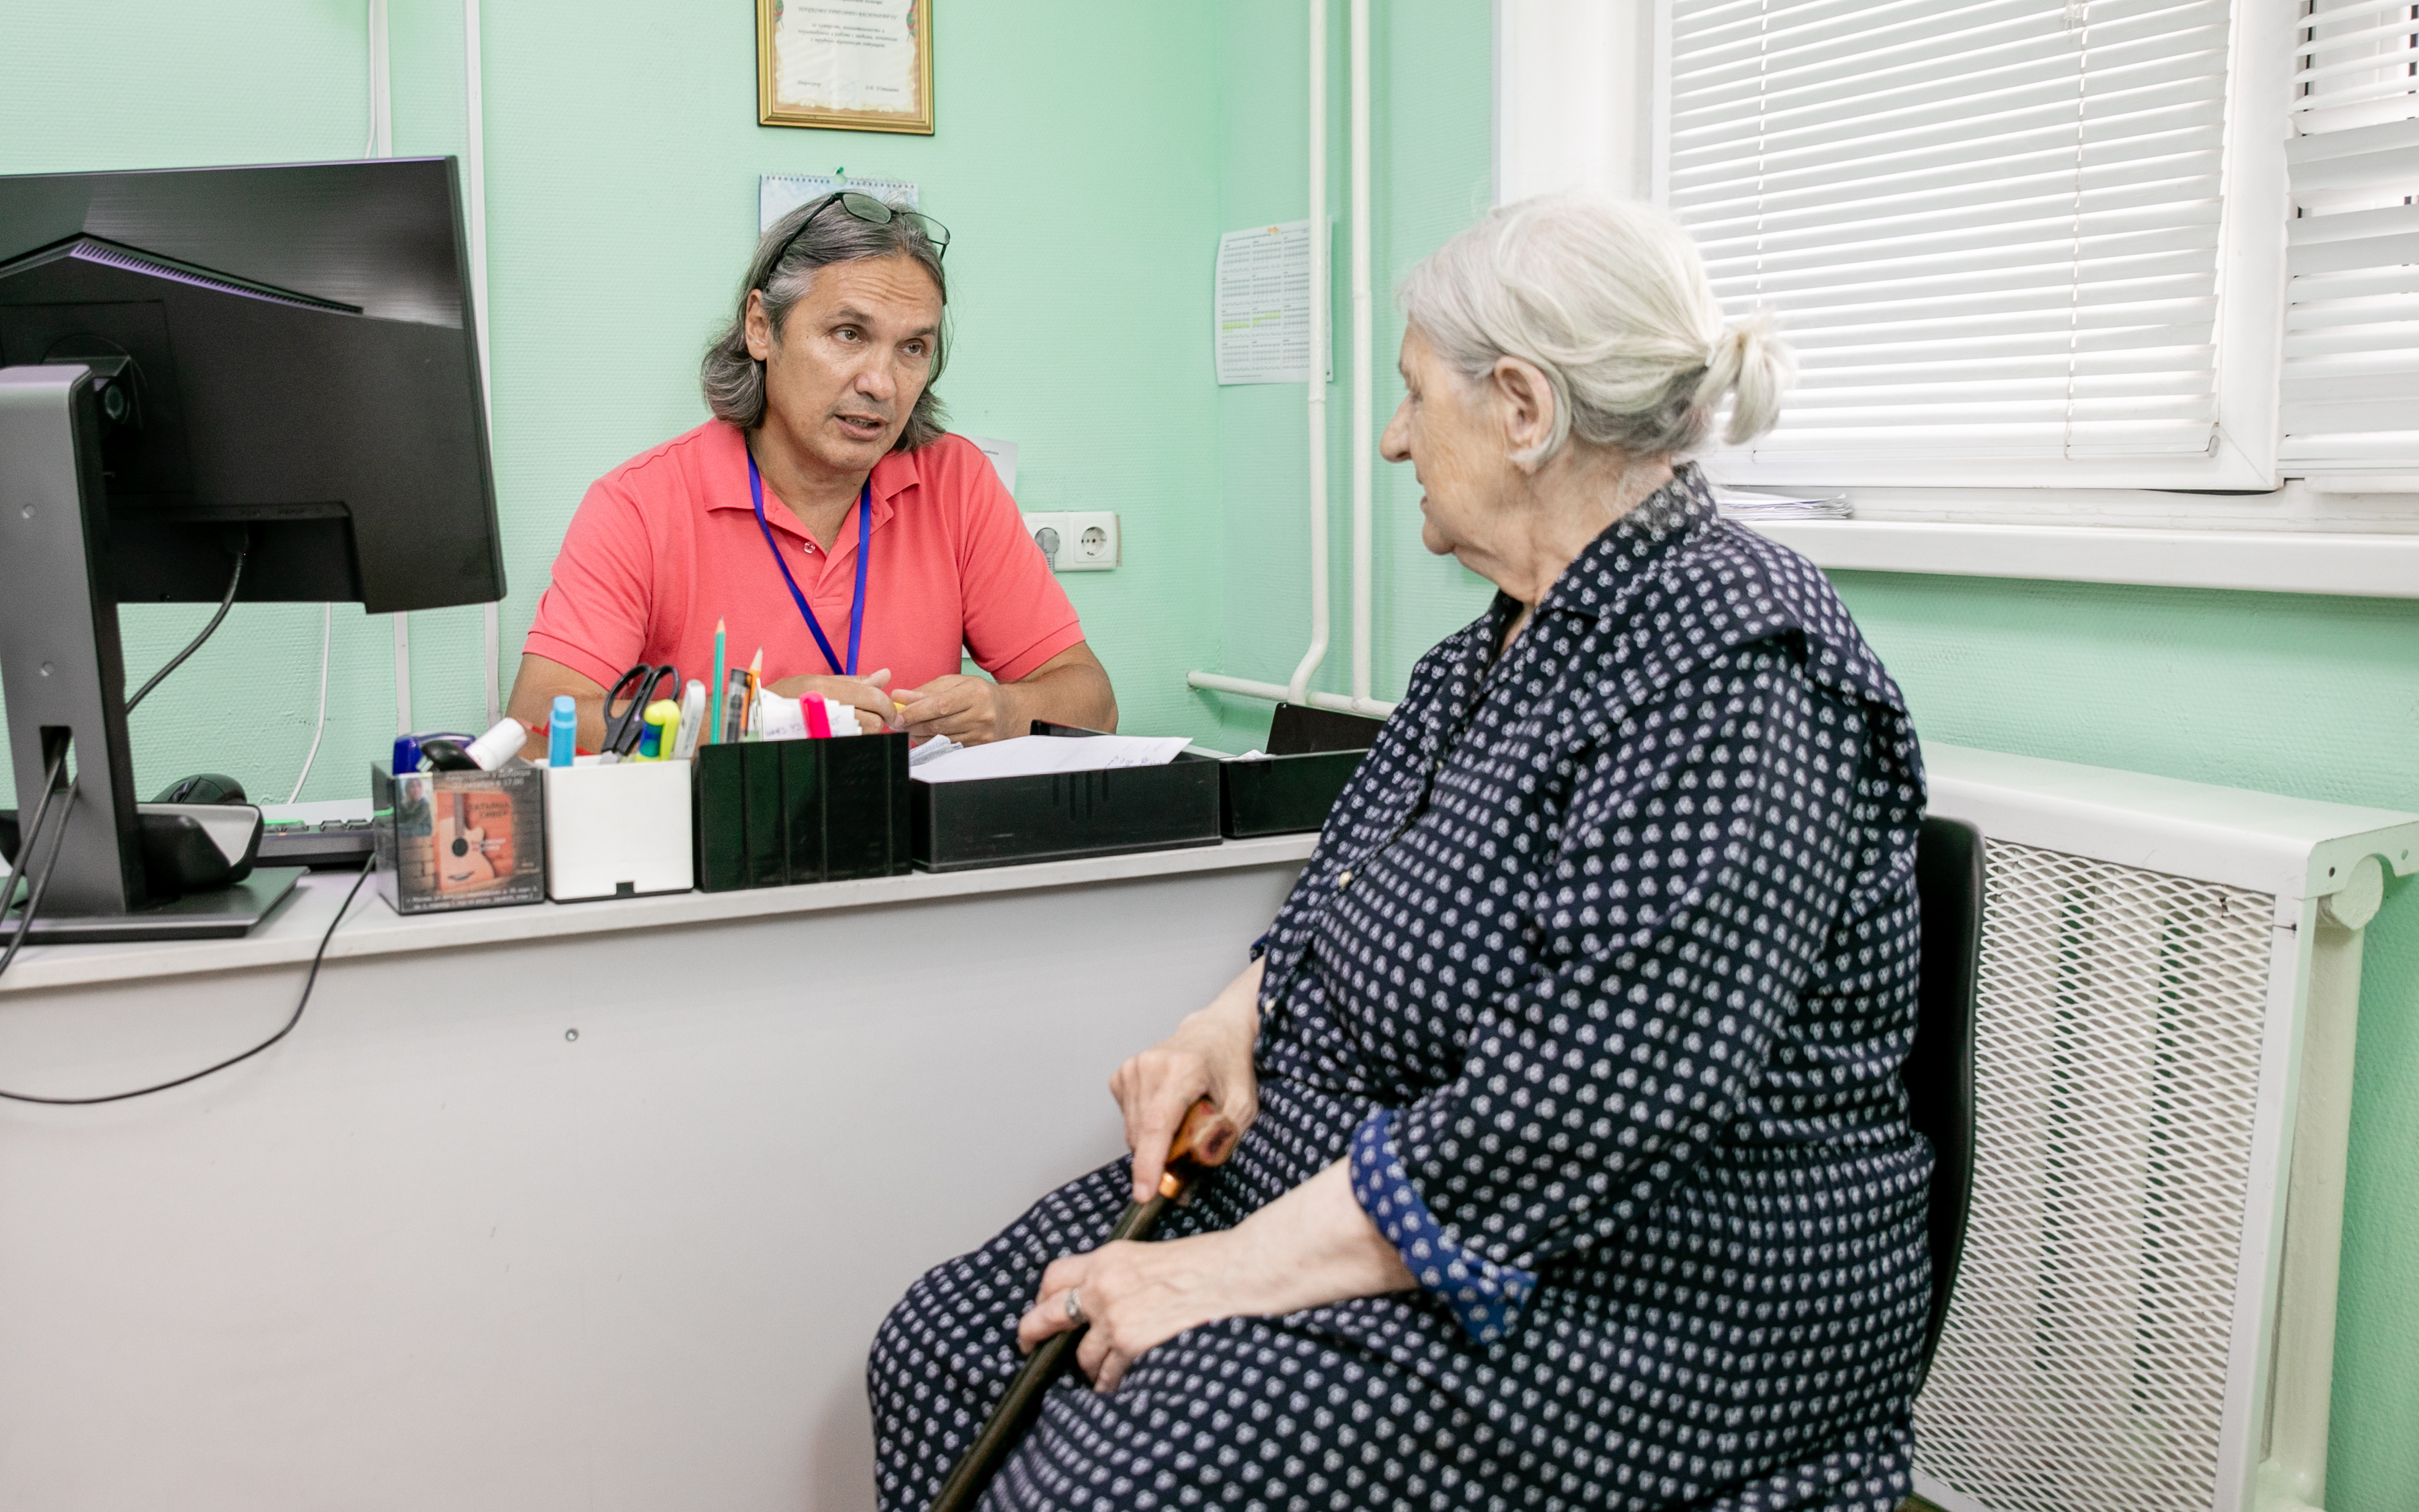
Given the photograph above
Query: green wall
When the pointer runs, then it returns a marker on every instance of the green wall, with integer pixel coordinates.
(1429, 157)
(622, 163)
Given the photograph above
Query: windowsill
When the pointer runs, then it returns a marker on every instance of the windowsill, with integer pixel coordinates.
(2285, 562)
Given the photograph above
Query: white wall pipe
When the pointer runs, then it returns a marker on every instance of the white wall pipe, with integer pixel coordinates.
(1297, 689)
(381, 144)
(1276, 692)
(1363, 338)
(474, 195)
(1364, 392)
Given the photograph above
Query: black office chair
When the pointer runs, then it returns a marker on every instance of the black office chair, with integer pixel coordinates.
(1940, 1071)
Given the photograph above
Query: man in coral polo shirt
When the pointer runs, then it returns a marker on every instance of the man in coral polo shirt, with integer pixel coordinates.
(823, 514)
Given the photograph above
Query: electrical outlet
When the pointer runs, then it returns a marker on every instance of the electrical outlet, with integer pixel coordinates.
(1091, 544)
(1052, 533)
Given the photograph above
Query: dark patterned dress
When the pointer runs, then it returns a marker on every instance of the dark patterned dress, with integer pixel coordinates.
(1600, 977)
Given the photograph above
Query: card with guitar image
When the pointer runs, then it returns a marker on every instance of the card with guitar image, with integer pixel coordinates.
(460, 840)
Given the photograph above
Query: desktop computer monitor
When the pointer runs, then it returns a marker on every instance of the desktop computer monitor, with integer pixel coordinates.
(196, 364)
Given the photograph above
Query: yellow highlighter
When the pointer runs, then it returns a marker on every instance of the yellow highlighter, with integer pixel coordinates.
(662, 732)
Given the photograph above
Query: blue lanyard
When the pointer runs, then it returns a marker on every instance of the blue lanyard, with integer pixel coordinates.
(864, 551)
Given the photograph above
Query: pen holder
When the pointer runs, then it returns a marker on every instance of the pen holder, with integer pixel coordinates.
(773, 812)
(448, 840)
(618, 831)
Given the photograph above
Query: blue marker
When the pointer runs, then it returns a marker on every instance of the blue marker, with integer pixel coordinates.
(562, 735)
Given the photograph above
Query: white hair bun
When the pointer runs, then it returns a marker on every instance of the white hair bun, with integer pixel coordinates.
(1609, 300)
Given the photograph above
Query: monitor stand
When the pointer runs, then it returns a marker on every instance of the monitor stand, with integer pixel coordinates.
(65, 679)
(226, 913)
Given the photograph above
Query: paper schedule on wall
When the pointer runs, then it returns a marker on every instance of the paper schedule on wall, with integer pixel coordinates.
(1262, 304)
(779, 193)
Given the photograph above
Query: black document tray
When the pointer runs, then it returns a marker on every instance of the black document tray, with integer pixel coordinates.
(770, 813)
(1006, 820)
(1312, 754)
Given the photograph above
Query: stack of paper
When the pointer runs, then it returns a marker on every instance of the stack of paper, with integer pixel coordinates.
(1750, 508)
(1041, 755)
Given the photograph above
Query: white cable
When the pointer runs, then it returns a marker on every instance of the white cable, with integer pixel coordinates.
(327, 628)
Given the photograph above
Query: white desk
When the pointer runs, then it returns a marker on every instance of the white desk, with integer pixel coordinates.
(432, 1251)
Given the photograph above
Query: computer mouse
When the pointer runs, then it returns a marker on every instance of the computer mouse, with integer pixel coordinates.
(203, 787)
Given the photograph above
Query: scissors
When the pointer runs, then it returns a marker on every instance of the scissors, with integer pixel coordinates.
(624, 729)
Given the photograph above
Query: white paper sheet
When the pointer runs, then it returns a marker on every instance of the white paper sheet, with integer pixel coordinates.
(779, 193)
(1262, 306)
(1003, 458)
(846, 54)
(1043, 755)
(1736, 503)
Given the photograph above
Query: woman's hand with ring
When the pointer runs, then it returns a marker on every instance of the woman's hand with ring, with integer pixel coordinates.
(1131, 1297)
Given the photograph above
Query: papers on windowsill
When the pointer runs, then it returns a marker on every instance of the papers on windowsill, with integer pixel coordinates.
(1749, 508)
(1044, 755)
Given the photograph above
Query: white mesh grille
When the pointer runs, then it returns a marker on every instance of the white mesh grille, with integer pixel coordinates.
(2117, 1065)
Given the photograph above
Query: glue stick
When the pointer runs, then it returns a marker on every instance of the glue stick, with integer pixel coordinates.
(499, 744)
(562, 731)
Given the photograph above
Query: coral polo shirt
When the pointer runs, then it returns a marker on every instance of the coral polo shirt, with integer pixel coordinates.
(668, 542)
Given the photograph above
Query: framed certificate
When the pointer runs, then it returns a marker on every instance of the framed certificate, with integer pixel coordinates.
(853, 65)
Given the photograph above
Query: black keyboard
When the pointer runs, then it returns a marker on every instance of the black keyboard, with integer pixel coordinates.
(329, 845)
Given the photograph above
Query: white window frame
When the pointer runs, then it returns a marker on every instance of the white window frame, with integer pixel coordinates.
(1581, 101)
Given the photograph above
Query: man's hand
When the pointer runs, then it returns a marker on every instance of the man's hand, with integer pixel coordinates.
(1072, 687)
(968, 710)
(869, 694)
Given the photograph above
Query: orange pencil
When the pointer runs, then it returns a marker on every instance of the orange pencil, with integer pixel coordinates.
(755, 680)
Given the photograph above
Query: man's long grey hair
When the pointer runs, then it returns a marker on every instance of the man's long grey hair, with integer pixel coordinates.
(735, 381)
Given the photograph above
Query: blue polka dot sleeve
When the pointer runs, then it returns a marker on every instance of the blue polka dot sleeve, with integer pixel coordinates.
(1485, 1298)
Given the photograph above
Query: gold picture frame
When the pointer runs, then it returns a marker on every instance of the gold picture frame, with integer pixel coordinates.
(849, 66)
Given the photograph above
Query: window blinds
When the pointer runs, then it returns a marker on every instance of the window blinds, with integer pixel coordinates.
(1989, 228)
(2352, 319)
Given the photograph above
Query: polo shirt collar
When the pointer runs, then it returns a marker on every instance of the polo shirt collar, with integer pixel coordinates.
(727, 487)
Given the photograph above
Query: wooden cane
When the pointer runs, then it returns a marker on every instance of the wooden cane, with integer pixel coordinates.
(1205, 1140)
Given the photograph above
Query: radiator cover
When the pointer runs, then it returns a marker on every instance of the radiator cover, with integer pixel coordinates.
(2170, 985)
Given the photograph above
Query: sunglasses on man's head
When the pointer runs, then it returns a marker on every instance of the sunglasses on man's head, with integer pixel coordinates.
(871, 211)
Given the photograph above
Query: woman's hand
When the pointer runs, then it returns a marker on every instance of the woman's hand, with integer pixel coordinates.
(869, 694)
(1135, 1296)
(1311, 1246)
(1208, 1055)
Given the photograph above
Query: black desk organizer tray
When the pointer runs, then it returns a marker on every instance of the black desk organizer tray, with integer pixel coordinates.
(1003, 820)
(773, 813)
(1312, 754)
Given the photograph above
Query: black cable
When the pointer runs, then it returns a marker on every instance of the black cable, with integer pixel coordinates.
(25, 867)
(195, 644)
(296, 1017)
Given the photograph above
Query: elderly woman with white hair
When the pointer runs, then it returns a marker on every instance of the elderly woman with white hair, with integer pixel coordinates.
(1578, 1172)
